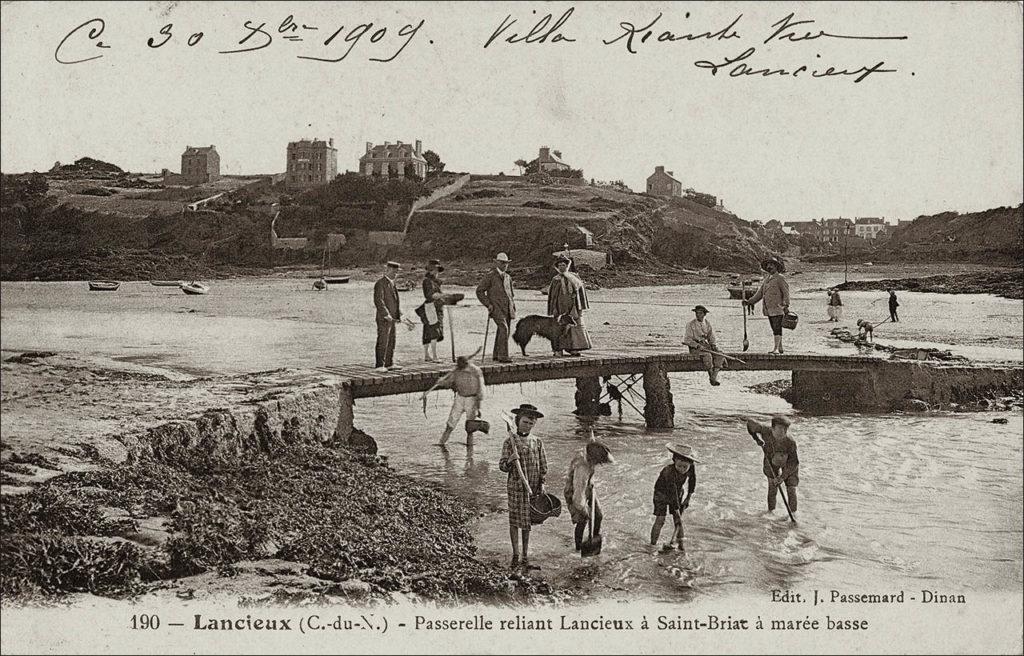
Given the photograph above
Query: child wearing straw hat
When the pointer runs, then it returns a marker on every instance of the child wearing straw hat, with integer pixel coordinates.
(781, 463)
(672, 493)
(524, 459)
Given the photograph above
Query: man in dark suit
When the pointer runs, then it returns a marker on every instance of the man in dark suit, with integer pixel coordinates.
(385, 299)
(496, 294)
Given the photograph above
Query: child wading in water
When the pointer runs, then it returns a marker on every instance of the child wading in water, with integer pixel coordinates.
(672, 493)
(579, 488)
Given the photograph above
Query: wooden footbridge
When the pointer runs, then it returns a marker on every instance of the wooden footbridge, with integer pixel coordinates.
(837, 382)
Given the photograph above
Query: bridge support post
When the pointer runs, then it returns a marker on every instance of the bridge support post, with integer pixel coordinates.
(346, 416)
(588, 396)
(659, 412)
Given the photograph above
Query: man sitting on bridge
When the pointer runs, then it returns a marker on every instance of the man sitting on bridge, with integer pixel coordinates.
(700, 337)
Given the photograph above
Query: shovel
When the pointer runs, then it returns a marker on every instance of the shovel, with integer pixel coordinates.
(592, 545)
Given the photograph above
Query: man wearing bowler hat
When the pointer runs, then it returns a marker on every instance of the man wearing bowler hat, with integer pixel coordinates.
(523, 457)
(496, 294)
(700, 337)
(385, 300)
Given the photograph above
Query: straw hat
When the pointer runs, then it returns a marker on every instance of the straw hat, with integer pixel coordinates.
(682, 451)
(502, 257)
(528, 410)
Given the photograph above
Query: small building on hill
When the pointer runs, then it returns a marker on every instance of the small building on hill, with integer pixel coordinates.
(661, 183)
(548, 160)
(394, 160)
(311, 162)
(869, 227)
(200, 164)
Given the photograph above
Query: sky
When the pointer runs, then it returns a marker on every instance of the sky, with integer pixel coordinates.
(942, 132)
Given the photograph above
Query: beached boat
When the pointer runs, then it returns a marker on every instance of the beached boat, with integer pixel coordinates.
(167, 283)
(337, 280)
(737, 291)
(194, 288)
(405, 286)
(103, 285)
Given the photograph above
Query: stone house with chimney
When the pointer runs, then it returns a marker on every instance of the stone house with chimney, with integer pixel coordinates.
(393, 160)
(311, 162)
(869, 227)
(548, 160)
(200, 164)
(661, 183)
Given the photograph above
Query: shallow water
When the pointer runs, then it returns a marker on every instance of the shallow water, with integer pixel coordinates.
(913, 502)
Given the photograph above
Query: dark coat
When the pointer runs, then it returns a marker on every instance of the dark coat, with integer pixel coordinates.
(385, 299)
(495, 291)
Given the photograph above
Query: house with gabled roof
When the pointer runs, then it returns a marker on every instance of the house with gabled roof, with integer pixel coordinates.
(548, 160)
(661, 183)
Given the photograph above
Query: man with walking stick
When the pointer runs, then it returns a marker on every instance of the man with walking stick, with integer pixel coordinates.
(496, 294)
(781, 464)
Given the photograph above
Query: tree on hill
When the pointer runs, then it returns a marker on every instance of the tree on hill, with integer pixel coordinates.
(434, 163)
(521, 163)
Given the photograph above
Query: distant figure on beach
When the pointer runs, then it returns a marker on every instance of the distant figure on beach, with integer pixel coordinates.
(496, 294)
(523, 457)
(775, 291)
(432, 311)
(568, 296)
(835, 305)
(672, 493)
(579, 488)
(781, 464)
(385, 300)
(700, 337)
(467, 381)
(865, 330)
(893, 304)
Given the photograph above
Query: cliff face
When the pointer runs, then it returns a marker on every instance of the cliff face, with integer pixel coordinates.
(992, 237)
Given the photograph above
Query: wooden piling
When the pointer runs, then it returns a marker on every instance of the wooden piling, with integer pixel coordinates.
(659, 411)
(588, 396)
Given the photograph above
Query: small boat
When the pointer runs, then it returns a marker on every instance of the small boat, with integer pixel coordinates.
(103, 285)
(405, 286)
(167, 283)
(194, 288)
(320, 284)
(337, 280)
(737, 290)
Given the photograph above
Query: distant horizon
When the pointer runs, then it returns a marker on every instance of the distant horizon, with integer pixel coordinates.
(941, 132)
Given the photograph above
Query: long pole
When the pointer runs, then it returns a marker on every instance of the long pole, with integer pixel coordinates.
(846, 261)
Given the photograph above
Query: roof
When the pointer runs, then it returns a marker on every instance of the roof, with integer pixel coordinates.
(870, 220)
(393, 151)
(551, 157)
(584, 230)
(199, 150)
(306, 143)
(663, 173)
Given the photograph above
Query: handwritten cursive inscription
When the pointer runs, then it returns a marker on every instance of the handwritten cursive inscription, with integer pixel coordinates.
(630, 32)
(540, 33)
(784, 32)
(98, 25)
(737, 67)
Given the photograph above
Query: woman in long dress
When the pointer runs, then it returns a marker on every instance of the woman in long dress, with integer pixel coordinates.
(568, 296)
(433, 311)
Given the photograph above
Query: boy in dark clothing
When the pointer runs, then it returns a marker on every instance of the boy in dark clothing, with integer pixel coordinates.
(781, 464)
(893, 304)
(675, 482)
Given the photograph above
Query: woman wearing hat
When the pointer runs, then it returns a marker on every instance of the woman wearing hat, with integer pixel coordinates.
(835, 305)
(568, 296)
(579, 487)
(672, 493)
(433, 308)
(774, 290)
(524, 459)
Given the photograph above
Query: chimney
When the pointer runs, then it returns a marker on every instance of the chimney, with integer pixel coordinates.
(670, 173)
(419, 147)
(330, 142)
(387, 143)
(211, 147)
(545, 152)
(659, 169)
(369, 146)
(399, 142)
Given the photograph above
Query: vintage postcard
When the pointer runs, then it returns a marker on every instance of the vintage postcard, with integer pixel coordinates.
(511, 327)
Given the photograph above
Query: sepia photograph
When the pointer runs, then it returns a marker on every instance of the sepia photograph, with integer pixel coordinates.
(511, 327)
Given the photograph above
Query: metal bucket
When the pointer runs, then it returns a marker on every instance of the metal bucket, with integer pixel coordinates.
(477, 426)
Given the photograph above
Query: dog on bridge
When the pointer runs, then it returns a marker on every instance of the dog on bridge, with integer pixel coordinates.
(535, 325)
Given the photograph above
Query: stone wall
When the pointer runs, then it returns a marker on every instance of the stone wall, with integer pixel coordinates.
(897, 385)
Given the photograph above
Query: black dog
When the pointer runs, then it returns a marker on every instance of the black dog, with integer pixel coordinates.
(537, 325)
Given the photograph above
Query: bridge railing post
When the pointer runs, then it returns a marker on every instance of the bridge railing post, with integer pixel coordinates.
(659, 411)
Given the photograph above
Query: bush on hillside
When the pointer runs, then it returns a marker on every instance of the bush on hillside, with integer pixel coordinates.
(356, 188)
